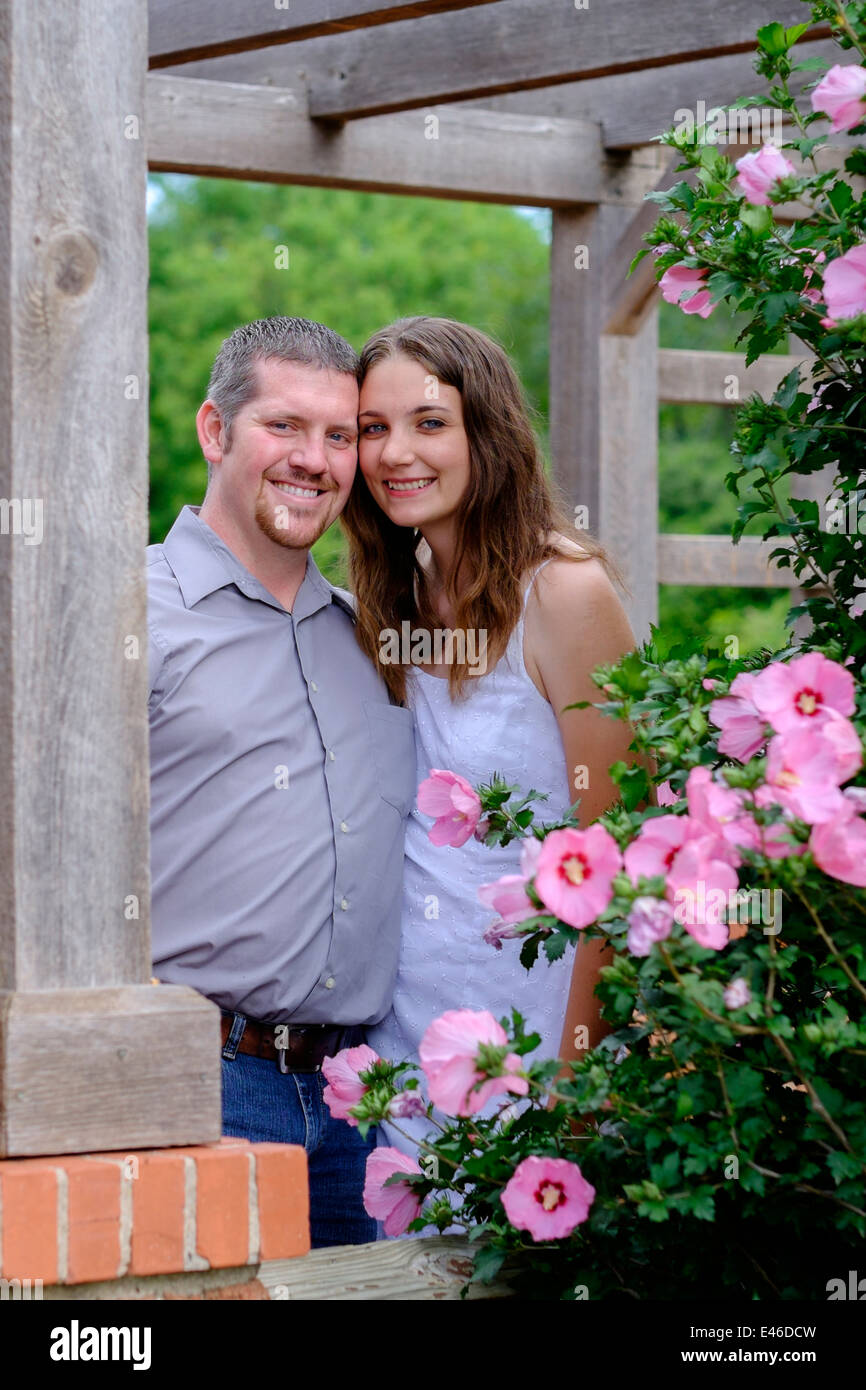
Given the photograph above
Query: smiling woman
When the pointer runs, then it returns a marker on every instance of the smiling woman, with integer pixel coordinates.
(451, 523)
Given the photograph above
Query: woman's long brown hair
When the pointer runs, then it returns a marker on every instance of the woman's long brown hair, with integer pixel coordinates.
(507, 521)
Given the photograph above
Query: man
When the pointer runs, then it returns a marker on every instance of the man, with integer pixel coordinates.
(281, 775)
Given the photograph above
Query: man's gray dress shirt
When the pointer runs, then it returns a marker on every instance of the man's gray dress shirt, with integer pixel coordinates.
(281, 778)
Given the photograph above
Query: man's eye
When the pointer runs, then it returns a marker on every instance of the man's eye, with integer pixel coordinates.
(280, 425)
(342, 438)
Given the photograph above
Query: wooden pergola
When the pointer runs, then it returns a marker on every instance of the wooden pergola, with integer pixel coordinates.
(547, 103)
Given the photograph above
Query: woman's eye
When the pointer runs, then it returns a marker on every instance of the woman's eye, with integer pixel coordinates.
(371, 429)
(433, 421)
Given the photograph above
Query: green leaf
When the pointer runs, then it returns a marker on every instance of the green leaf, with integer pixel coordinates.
(795, 32)
(488, 1262)
(773, 39)
(758, 219)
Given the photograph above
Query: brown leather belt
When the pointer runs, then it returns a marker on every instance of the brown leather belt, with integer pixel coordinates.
(297, 1047)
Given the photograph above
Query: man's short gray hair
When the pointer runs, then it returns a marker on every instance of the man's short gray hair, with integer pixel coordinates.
(233, 376)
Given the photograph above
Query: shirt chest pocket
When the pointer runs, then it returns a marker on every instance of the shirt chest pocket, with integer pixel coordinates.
(392, 744)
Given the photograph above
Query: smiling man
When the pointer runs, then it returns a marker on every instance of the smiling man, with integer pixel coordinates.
(281, 774)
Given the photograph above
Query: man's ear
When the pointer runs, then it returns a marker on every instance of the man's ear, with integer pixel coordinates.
(211, 435)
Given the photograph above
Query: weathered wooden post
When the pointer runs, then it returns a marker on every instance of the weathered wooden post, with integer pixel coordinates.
(91, 1054)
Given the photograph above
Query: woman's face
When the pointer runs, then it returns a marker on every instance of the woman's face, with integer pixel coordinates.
(413, 448)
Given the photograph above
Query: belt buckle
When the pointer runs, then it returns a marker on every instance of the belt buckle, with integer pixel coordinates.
(282, 1046)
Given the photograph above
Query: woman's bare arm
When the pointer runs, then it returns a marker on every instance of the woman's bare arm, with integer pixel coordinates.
(575, 622)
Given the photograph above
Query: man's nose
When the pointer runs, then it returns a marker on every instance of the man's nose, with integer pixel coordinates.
(309, 454)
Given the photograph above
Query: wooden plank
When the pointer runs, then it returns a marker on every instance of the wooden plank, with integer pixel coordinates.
(74, 844)
(635, 107)
(719, 378)
(181, 30)
(473, 53)
(259, 133)
(432, 1268)
(576, 260)
(715, 560)
(628, 463)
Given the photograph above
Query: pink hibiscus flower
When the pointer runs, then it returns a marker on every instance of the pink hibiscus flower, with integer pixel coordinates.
(396, 1205)
(799, 694)
(839, 846)
(683, 279)
(699, 885)
(845, 286)
(345, 1086)
(760, 171)
(453, 803)
(508, 897)
(449, 1053)
(738, 716)
(803, 775)
(841, 95)
(574, 873)
(547, 1197)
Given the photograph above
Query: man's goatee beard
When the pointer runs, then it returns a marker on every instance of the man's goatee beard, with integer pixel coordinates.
(284, 535)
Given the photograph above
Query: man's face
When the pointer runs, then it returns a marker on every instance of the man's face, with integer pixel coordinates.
(293, 453)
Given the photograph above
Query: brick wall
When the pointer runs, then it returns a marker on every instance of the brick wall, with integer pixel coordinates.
(83, 1219)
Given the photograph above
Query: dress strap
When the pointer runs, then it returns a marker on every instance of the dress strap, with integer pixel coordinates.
(533, 576)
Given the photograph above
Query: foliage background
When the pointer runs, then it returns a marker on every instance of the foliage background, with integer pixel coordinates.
(360, 260)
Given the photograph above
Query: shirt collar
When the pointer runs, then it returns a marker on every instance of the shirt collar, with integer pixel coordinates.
(202, 563)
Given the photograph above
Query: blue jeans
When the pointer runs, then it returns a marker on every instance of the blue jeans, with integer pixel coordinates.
(265, 1105)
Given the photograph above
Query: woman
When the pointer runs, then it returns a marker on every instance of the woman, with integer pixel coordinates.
(452, 527)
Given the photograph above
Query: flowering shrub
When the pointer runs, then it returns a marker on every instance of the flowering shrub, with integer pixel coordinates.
(714, 1143)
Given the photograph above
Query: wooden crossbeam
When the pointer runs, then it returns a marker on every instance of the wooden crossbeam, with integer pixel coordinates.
(635, 107)
(719, 378)
(716, 561)
(236, 131)
(181, 30)
(476, 52)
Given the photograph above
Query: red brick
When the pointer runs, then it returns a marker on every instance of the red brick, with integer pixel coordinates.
(157, 1213)
(284, 1205)
(28, 1190)
(94, 1220)
(223, 1206)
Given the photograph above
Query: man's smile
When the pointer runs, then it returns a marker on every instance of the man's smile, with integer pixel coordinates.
(305, 492)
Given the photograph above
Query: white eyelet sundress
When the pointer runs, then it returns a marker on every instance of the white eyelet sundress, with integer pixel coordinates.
(504, 726)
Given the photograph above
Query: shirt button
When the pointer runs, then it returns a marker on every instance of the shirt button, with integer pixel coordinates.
(330, 982)
(344, 827)
(331, 754)
(313, 685)
(344, 904)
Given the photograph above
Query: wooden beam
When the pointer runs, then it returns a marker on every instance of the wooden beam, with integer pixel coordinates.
(181, 30)
(628, 464)
(719, 378)
(258, 133)
(449, 57)
(92, 1056)
(576, 257)
(716, 561)
(635, 107)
